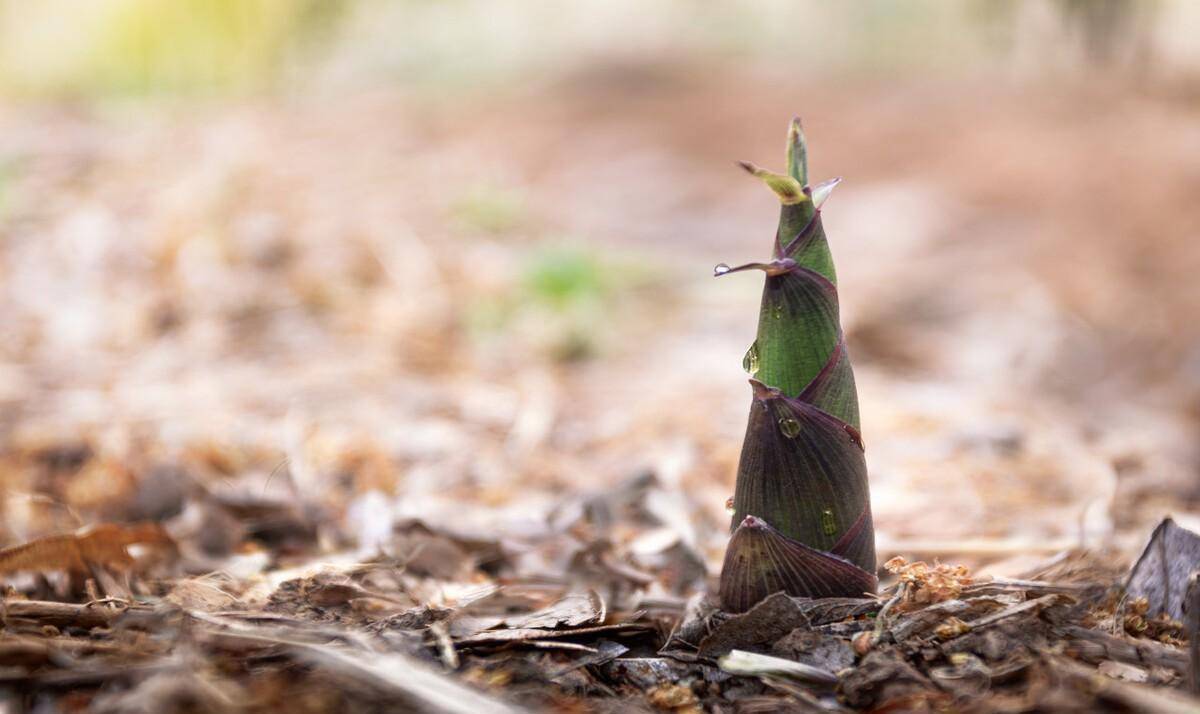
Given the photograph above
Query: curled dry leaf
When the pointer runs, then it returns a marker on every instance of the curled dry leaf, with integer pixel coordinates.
(672, 696)
(573, 610)
(105, 545)
(929, 583)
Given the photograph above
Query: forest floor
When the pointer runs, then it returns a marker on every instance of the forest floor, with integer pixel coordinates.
(433, 402)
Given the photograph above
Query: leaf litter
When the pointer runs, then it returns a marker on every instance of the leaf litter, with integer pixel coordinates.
(484, 627)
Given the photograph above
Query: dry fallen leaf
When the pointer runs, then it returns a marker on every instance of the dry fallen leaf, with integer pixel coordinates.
(929, 584)
(672, 696)
(105, 545)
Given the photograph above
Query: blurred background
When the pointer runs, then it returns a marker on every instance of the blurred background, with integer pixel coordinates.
(454, 258)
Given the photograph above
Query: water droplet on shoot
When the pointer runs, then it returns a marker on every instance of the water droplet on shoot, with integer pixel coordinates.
(777, 311)
(729, 506)
(790, 427)
(750, 361)
(721, 269)
(828, 522)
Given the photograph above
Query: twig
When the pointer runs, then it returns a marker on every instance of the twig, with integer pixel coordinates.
(1149, 700)
(90, 677)
(1192, 611)
(881, 617)
(563, 646)
(1101, 645)
(929, 617)
(69, 646)
(63, 614)
(1029, 605)
(1029, 586)
(492, 638)
(760, 665)
(445, 645)
(228, 627)
(393, 672)
(406, 678)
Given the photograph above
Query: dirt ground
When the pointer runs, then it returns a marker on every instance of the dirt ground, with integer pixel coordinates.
(434, 334)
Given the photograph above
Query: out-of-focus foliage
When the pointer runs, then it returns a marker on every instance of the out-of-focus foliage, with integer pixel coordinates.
(136, 46)
(562, 303)
(491, 209)
(561, 277)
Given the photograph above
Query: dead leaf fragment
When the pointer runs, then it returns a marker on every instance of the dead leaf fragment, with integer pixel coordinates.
(929, 583)
(672, 696)
(105, 545)
(951, 628)
(573, 610)
(199, 594)
(1161, 573)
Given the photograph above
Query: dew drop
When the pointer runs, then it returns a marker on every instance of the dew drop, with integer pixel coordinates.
(720, 269)
(750, 361)
(790, 427)
(828, 522)
(777, 311)
(729, 506)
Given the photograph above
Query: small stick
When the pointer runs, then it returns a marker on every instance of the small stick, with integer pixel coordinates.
(1014, 584)
(880, 619)
(445, 645)
(1137, 698)
(1191, 609)
(752, 664)
(61, 614)
(1097, 645)
(1035, 605)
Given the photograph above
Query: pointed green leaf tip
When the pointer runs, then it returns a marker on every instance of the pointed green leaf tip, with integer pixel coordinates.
(789, 190)
(797, 153)
(802, 511)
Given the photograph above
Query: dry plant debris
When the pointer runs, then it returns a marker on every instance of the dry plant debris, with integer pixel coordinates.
(925, 584)
(490, 634)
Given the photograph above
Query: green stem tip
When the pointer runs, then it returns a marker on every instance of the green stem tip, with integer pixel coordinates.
(797, 153)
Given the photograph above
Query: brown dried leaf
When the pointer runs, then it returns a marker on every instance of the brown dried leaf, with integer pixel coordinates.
(201, 594)
(105, 545)
(492, 637)
(929, 583)
(672, 696)
(573, 610)
(775, 617)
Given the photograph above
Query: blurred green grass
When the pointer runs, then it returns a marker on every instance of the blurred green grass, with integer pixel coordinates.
(116, 48)
(490, 209)
(135, 47)
(566, 301)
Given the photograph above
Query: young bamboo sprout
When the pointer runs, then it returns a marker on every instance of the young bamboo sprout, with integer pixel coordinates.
(802, 511)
